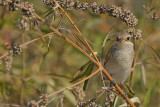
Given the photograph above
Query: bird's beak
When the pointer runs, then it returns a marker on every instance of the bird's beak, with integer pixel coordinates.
(122, 41)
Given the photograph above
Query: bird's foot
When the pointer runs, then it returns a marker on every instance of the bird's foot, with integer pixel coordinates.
(125, 92)
(113, 83)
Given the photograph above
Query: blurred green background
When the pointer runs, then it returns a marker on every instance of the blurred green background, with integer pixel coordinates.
(47, 72)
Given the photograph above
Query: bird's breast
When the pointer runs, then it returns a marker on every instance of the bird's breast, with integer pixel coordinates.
(119, 62)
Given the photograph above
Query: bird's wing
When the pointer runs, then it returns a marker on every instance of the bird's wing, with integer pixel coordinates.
(106, 58)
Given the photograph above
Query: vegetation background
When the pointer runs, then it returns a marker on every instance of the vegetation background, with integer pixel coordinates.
(45, 72)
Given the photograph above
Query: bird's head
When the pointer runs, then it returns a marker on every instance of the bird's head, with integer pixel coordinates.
(123, 37)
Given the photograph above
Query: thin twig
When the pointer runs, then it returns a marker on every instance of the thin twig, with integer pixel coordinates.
(75, 83)
(27, 43)
(77, 30)
(23, 72)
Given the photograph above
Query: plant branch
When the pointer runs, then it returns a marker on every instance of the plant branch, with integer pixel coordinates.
(75, 83)
(77, 30)
(29, 42)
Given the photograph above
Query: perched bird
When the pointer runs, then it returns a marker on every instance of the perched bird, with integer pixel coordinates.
(119, 59)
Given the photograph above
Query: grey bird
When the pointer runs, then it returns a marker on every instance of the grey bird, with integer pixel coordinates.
(120, 57)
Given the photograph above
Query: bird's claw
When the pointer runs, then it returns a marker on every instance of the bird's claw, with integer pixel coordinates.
(113, 83)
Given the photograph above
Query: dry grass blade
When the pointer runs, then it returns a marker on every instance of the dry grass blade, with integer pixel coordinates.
(76, 39)
(143, 76)
(104, 42)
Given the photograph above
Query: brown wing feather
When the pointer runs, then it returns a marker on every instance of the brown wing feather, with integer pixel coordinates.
(106, 58)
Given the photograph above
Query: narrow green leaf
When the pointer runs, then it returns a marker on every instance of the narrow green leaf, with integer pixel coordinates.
(48, 12)
(88, 72)
(82, 73)
(150, 92)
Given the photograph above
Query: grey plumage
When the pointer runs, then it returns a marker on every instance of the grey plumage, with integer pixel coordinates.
(119, 59)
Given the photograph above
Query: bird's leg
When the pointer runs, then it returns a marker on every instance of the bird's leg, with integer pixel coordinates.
(125, 91)
(112, 83)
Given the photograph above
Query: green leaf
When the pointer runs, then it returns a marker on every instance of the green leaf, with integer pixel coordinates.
(81, 72)
(88, 72)
(48, 12)
(150, 92)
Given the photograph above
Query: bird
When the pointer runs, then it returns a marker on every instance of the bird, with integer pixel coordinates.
(119, 59)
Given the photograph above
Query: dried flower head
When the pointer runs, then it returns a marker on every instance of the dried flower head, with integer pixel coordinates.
(93, 104)
(4, 2)
(25, 23)
(79, 93)
(136, 34)
(29, 10)
(82, 103)
(15, 49)
(13, 5)
(131, 31)
(102, 9)
(84, 6)
(44, 99)
(32, 104)
(49, 2)
(154, 16)
(69, 5)
(124, 14)
(114, 11)
(8, 62)
(77, 5)
(95, 8)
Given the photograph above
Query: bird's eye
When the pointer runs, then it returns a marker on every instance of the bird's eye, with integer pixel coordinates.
(128, 38)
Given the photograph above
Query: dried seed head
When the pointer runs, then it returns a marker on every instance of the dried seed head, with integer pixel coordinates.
(111, 97)
(79, 93)
(25, 23)
(62, 3)
(8, 61)
(82, 103)
(44, 99)
(128, 18)
(77, 5)
(32, 104)
(4, 2)
(95, 8)
(69, 5)
(30, 10)
(13, 5)
(49, 2)
(84, 6)
(15, 49)
(138, 34)
(154, 16)
(102, 9)
(131, 31)
(93, 104)
(114, 11)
